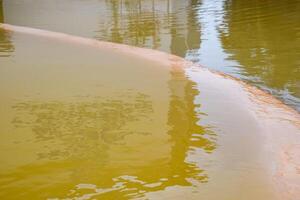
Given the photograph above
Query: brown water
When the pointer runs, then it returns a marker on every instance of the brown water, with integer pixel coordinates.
(258, 41)
(87, 120)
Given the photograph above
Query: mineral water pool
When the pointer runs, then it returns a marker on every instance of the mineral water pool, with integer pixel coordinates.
(86, 119)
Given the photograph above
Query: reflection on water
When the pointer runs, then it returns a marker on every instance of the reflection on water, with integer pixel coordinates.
(90, 134)
(253, 40)
(164, 25)
(6, 47)
(1, 12)
(86, 143)
(71, 127)
(264, 37)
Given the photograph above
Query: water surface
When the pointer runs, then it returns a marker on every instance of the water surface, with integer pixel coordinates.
(73, 127)
(87, 120)
(160, 128)
(257, 41)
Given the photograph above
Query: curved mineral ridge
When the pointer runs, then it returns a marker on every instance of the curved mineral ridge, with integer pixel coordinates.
(250, 141)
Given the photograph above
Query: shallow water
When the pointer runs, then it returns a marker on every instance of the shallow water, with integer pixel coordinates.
(71, 127)
(83, 120)
(258, 41)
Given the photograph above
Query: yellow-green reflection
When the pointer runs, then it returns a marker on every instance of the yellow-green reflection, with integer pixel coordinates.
(79, 129)
(263, 36)
(6, 47)
(1, 12)
(158, 25)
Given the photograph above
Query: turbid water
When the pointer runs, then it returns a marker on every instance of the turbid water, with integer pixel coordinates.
(257, 41)
(82, 119)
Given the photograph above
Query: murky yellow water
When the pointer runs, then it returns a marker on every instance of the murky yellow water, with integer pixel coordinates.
(82, 120)
(87, 120)
(76, 121)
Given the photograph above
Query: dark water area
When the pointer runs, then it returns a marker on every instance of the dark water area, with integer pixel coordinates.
(257, 41)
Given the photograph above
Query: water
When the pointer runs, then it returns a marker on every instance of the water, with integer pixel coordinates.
(80, 120)
(73, 128)
(257, 41)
